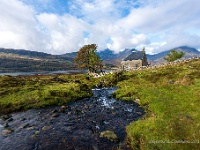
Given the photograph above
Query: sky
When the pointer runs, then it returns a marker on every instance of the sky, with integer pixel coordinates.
(63, 26)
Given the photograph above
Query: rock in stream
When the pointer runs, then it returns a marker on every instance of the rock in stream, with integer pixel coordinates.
(95, 123)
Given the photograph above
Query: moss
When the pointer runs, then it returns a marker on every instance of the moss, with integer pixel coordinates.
(36, 92)
(110, 135)
(172, 108)
(170, 96)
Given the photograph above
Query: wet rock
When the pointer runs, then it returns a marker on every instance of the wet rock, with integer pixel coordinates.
(54, 111)
(46, 128)
(105, 122)
(24, 125)
(55, 115)
(30, 128)
(137, 100)
(110, 135)
(114, 113)
(7, 131)
(86, 106)
(139, 113)
(37, 132)
(5, 117)
(22, 119)
(94, 147)
(5, 125)
(97, 127)
(10, 119)
(69, 128)
(63, 109)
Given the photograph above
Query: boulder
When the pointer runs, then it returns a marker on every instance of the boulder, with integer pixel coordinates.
(5, 117)
(46, 128)
(7, 131)
(110, 135)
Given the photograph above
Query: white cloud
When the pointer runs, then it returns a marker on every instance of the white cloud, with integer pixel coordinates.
(156, 24)
(17, 26)
(170, 19)
(65, 32)
(119, 42)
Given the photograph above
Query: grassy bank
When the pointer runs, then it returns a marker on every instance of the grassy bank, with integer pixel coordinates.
(21, 93)
(171, 98)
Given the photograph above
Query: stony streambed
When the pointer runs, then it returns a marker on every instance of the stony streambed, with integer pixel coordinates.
(94, 123)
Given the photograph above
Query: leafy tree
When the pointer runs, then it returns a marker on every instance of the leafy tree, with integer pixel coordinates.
(88, 59)
(174, 55)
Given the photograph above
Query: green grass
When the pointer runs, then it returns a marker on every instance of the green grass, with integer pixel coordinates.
(171, 98)
(21, 93)
(169, 95)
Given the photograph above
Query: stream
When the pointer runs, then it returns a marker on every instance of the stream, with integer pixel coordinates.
(78, 125)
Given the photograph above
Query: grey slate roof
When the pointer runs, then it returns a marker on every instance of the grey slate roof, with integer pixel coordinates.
(135, 56)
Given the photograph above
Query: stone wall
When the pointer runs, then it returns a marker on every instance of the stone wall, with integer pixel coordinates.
(128, 65)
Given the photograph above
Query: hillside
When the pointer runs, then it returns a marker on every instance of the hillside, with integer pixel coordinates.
(170, 96)
(12, 60)
(108, 56)
(33, 54)
(189, 53)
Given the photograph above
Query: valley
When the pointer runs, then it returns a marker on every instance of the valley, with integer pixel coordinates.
(12, 60)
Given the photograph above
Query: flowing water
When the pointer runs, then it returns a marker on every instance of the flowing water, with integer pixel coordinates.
(44, 73)
(77, 126)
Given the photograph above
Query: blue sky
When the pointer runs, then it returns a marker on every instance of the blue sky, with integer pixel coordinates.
(61, 26)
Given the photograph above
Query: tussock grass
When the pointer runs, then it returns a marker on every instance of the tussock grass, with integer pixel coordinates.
(21, 93)
(171, 98)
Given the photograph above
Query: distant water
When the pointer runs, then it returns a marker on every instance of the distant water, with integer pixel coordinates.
(44, 73)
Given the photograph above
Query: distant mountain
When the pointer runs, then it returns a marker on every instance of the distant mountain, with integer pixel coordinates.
(27, 53)
(13, 60)
(33, 54)
(108, 56)
(69, 55)
(189, 53)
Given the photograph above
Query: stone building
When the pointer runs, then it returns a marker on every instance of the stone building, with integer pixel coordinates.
(135, 60)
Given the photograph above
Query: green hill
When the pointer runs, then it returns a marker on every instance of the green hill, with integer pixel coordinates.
(25, 61)
(171, 97)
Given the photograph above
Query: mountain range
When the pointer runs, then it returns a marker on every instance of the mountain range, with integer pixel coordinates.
(110, 57)
(189, 52)
(18, 60)
(12, 60)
